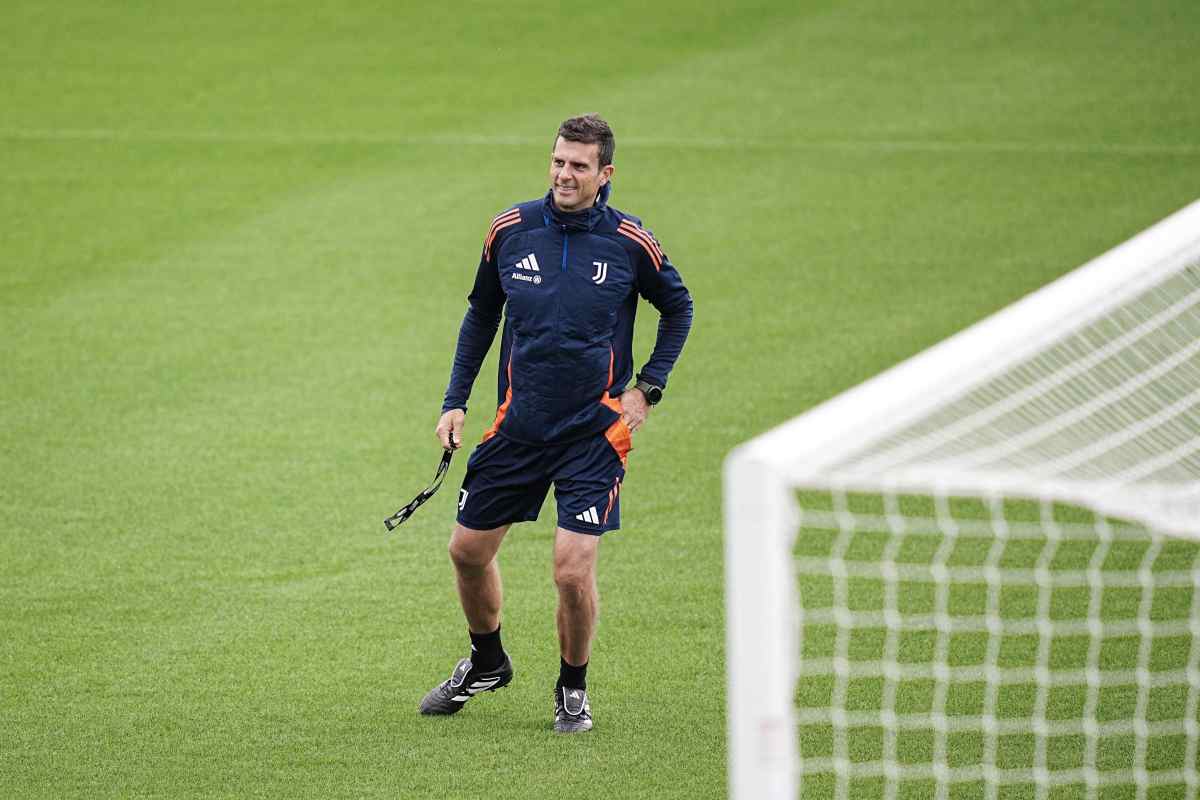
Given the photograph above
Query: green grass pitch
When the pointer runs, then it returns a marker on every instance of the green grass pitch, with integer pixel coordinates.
(235, 244)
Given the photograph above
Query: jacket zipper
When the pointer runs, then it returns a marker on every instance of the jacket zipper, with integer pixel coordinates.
(558, 290)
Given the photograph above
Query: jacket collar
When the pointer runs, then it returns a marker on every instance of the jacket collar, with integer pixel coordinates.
(584, 220)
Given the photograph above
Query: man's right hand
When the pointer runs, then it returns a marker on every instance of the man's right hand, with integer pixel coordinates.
(451, 423)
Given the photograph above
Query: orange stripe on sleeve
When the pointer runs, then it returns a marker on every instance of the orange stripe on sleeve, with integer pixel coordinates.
(514, 213)
(501, 222)
(650, 251)
(646, 236)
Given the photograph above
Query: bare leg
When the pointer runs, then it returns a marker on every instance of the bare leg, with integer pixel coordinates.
(578, 599)
(478, 575)
(473, 554)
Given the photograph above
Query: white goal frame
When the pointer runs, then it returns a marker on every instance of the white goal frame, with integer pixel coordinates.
(762, 476)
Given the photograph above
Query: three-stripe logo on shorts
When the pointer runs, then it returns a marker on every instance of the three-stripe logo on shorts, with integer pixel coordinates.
(589, 516)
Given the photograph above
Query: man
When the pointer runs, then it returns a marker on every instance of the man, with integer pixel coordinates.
(567, 269)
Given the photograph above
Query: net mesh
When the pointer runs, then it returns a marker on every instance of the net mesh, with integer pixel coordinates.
(958, 648)
(971, 644)
(982, 567)
(1115, 404)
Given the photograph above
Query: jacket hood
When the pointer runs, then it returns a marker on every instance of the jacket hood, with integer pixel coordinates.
(584, 220)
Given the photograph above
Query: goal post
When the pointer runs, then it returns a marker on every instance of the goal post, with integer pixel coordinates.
(1028, 486)
(761, 623)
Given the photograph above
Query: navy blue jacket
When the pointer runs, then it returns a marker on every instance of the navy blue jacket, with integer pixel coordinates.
(569, 283)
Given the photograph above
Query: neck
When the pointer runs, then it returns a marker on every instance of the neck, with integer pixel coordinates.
(572, 210)
(583, 218)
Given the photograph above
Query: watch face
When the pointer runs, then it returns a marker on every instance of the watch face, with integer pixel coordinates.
(653, 393)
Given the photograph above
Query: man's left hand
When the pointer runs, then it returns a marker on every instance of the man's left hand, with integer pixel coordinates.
(634, 408)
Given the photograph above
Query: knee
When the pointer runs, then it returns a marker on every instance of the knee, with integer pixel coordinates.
(572, 577)
(467, 556)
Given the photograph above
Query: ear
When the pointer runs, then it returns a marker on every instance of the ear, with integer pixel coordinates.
(606, 174)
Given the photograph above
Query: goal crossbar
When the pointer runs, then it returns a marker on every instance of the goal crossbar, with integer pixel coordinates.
(802, 449)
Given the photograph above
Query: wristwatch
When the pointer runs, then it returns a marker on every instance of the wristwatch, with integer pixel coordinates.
(653, 393)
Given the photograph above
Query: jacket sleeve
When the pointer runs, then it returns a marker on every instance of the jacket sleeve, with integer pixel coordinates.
(486, 301)
(659, 282)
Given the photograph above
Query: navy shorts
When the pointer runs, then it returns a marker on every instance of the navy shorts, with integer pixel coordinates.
(507, 482)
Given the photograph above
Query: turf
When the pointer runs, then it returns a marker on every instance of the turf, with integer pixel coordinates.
(235, 242)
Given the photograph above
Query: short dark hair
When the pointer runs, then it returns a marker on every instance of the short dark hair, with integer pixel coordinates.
(590, 129)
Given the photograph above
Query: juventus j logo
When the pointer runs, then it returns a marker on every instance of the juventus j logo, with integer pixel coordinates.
(601, 272)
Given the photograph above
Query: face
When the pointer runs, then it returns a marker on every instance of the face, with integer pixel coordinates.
(576, 175)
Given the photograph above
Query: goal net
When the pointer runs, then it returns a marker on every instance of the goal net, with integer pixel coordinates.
(978, 574)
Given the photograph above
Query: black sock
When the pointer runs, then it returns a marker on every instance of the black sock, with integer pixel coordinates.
(571, 677)
(486, 651)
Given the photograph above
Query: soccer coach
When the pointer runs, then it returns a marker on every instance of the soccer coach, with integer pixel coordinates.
(566, 270)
